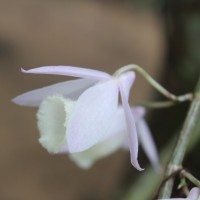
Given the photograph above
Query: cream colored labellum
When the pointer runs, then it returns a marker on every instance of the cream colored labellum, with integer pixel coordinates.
(52, 116)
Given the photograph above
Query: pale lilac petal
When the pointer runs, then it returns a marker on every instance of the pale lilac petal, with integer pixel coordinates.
(119, 127)
(118, 135)
(70, 89)
(87, 158)
(127, 79)
(138, 112)
(132, 132)
(147, 143)
(70, 71)
(125, 83)
(194, 194)
(118, 124)
(92, 116)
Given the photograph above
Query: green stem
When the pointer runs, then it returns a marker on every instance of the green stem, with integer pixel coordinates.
(191, 178)
(176, 159)
(154, 83)
(157, 104)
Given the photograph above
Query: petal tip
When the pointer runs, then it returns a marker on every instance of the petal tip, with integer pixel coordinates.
(17, 101)
(23, 70)
(136, 165)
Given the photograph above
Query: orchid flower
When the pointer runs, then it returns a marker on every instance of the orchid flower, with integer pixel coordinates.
(84, 109)
(193, 195)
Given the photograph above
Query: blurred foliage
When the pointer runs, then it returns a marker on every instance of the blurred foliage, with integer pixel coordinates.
(183, 31)
(183, 60)
(183, 64)
(183, 27)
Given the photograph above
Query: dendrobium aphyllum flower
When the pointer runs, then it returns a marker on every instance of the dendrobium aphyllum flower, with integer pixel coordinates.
(193, 195)
(84, 109)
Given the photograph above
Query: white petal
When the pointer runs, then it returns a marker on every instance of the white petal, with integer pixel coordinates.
(87, 158)
(127, 80)
(118, 124)
(92, 116)
(70, 71)
(194, 194)
(71, 89)
(138, 112)
(147, 143)
(132, 132)
(52, 116)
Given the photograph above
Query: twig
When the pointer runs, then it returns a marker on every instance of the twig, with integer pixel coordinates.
(191, 178)
(182, 143)
(154, 83)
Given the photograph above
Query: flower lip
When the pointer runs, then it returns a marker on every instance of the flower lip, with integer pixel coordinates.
(52, 115)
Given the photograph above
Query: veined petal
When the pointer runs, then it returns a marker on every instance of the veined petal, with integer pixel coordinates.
(194, 194)
(124, 86)
(147, 143)
(92, 116)
(138, 113)
(87, 158)
(52, 115)
(127, 79)
(70, 89)
(132, 132)
(70, 71)
(118, 124)
(118, 135)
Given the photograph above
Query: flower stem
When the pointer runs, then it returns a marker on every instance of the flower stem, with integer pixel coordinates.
(191, 178)
(154, 83)
(156, 105)
(176, 159)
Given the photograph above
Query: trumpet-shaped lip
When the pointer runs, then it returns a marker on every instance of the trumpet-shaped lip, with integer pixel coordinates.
(52, 116)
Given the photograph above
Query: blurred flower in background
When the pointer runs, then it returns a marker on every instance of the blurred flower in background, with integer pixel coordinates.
(193, 195)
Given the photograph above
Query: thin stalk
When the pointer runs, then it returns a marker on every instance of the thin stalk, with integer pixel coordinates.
(154, 83)
(176, 159)
(191, 178)
(156, 105)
